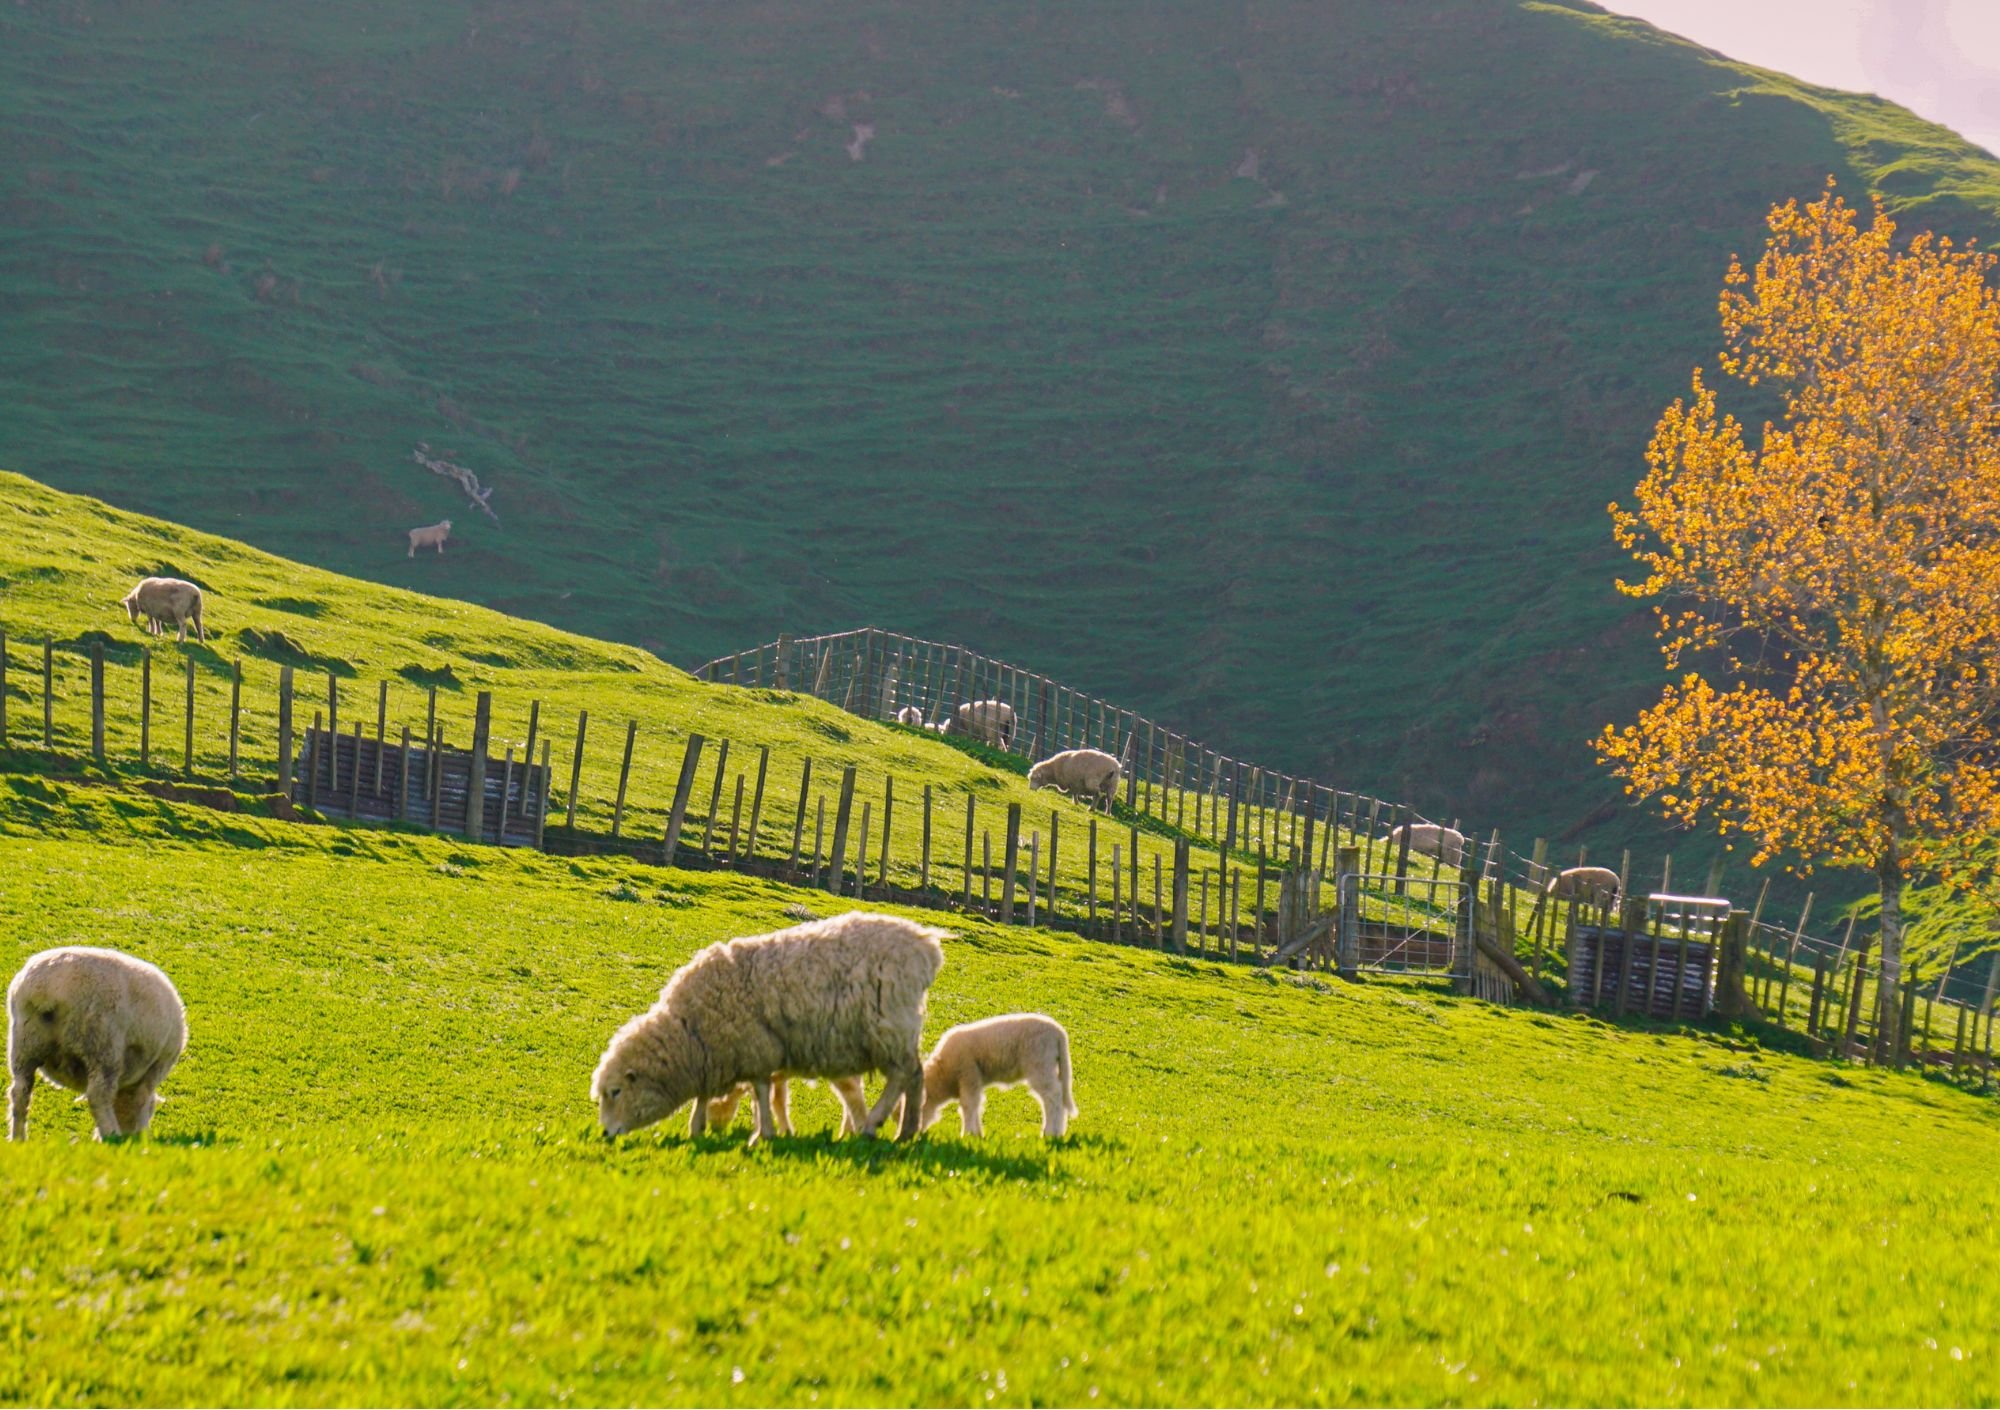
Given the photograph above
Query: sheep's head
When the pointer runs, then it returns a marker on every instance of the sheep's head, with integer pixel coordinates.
(130, 602)
(638, 1082)
(445, 524)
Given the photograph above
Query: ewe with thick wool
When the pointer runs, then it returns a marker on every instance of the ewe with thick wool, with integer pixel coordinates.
(840, 997)
(165, 600)
(100, 1022)
(429, 536)
(1596, 885)
(853, 1104)
(910, 715)
(988, 721)
(1081, 773)
(1012, 1050)
(1447, 844)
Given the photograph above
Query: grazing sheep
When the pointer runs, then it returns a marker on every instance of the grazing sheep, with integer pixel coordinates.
(1447, 844)
(989, 721)
(938, 727)
(166, 600)
(428, 535)
(910, 715)
(1596, 886)
(98, 1022)
(1008, 1051)
(853, 1104)
(830, 998)
(1081, 773)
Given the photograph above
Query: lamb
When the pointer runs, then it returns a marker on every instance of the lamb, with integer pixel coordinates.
(1447, 844)
(1081, 773)
(428, 535)
(96, 1021)
(830, 998)
(853, 1104)
(910, 715)
(166, 600)
(1007, 1051)
(989, 721)
(1596, 886)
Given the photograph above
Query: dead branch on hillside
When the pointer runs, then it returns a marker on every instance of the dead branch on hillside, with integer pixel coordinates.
(467, 481)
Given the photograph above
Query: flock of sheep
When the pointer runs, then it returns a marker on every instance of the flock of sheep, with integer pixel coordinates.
(830, 1000)
(1088, 775)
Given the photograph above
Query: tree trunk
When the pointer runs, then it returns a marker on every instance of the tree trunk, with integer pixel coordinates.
(1889, 1002)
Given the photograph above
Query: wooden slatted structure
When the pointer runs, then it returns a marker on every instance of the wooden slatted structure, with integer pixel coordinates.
(364, 778)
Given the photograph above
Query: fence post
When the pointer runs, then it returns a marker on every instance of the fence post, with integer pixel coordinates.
(49, 694)
(187, 754)
(624, 773)
(235, 717)
(145, 707)
(542, 817)
(310, 757)
(1117, 896)
(382, 734)
(1034, 856)
(97, 701)
(1180, 895)
(1013, 859)
(799, 822)
(690, 762)
(1404, 820)
(475, 782)
(576, 768)
(861, 854)
(285, 730)
(757, 800)
(714, 800)
(888, 811)
(332, 704)
(1090, 891)
(844, 812)
(969, 804)
(354, 783)
(3, 690)
(782, 680)
(1347, 920)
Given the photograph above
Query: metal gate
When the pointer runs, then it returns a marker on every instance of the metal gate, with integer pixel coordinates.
(1404, 925)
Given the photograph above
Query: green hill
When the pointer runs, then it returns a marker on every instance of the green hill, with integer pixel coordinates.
(1265, 369)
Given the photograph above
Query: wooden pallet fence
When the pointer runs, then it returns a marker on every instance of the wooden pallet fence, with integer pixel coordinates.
(422, 784)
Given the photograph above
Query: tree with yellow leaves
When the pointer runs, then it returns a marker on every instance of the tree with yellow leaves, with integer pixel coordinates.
(1830, 598)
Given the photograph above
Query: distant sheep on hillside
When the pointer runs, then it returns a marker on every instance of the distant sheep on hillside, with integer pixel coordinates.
(165, 600)
(910, 715)
(99, 1022)
(428, 536)
(1081, 773)
(830, 998)
(1011, 1050)
(1447, 844)
(1598, 886)
(989, 721)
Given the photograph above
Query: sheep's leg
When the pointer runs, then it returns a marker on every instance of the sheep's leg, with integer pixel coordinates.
(182, 623)
(722, 1110)
(781, 1105)
(103, 1099)
(912, 1085)
(766, 1128)
(971, 1107)
(892, 1092)
(1055, 1112)
(698, 1118)
(19, 1090)
(853, 1103)
(413, 548)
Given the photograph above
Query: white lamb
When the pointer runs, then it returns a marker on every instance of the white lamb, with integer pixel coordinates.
(1008, 1051)
(1081, 773)
(831, 998)
(989, 721)
(910, 715)
(1598, 886)
(430, 535)
(1447, 844)
(99, 1022)
(166, 600)
(853, 1104)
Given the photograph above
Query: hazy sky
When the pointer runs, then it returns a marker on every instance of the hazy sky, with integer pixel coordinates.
(1939, 58)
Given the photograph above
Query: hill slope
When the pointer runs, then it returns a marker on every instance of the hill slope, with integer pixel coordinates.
(1264, 367)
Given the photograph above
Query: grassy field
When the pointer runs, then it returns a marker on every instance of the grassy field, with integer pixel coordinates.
(377, 1177)
(1266, 370)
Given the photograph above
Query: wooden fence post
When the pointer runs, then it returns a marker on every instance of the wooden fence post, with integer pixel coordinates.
(714, 800)
(97, 701)
(1090, 890)
(816, 876)
(757, 800)
(799, 822)
(145, 707)
(861, 854)
(624, 773)
(576, 768)
(235, 717)
(285, 730)
(187, 754)
(1034, 855)
(781, 679)
(924, 859)
(382, 734)
(475, 783)
(542, 817)
(969, 804)
(1180, 895)
(1404, 820)
(843, 814)
(3, 690)
(690, 762)
(888, 811)
(354, 784)
(1013, 860)
(1117, 896)
(309, 756)
(49, 694)
(332, 704)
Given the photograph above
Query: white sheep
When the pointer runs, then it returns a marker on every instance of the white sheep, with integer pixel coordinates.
(1081, 773)
(831, 998)
(1008, 1051)
(989, 721)
(166, 600)
(910, 715)
(1596, 886)
(853, 1104)
(1447, 844)
(99, 1022)
(429, 535)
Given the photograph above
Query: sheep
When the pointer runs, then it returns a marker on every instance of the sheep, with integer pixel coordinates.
(1447, 844)
(1596, 886)
(166, 600)
(1081, 773)
(830, 998)
(910, 715)
(428, 535)
(853, 1104)
(989, 721)
(1007, 1051)
(96, 1021)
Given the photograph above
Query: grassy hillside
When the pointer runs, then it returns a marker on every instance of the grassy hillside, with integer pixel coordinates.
(377, 1177)
(1266, 369)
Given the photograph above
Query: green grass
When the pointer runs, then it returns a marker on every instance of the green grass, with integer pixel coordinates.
(377, 1177)
(1320, 481)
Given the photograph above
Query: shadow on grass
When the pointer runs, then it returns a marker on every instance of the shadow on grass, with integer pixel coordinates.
(929, 1155)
